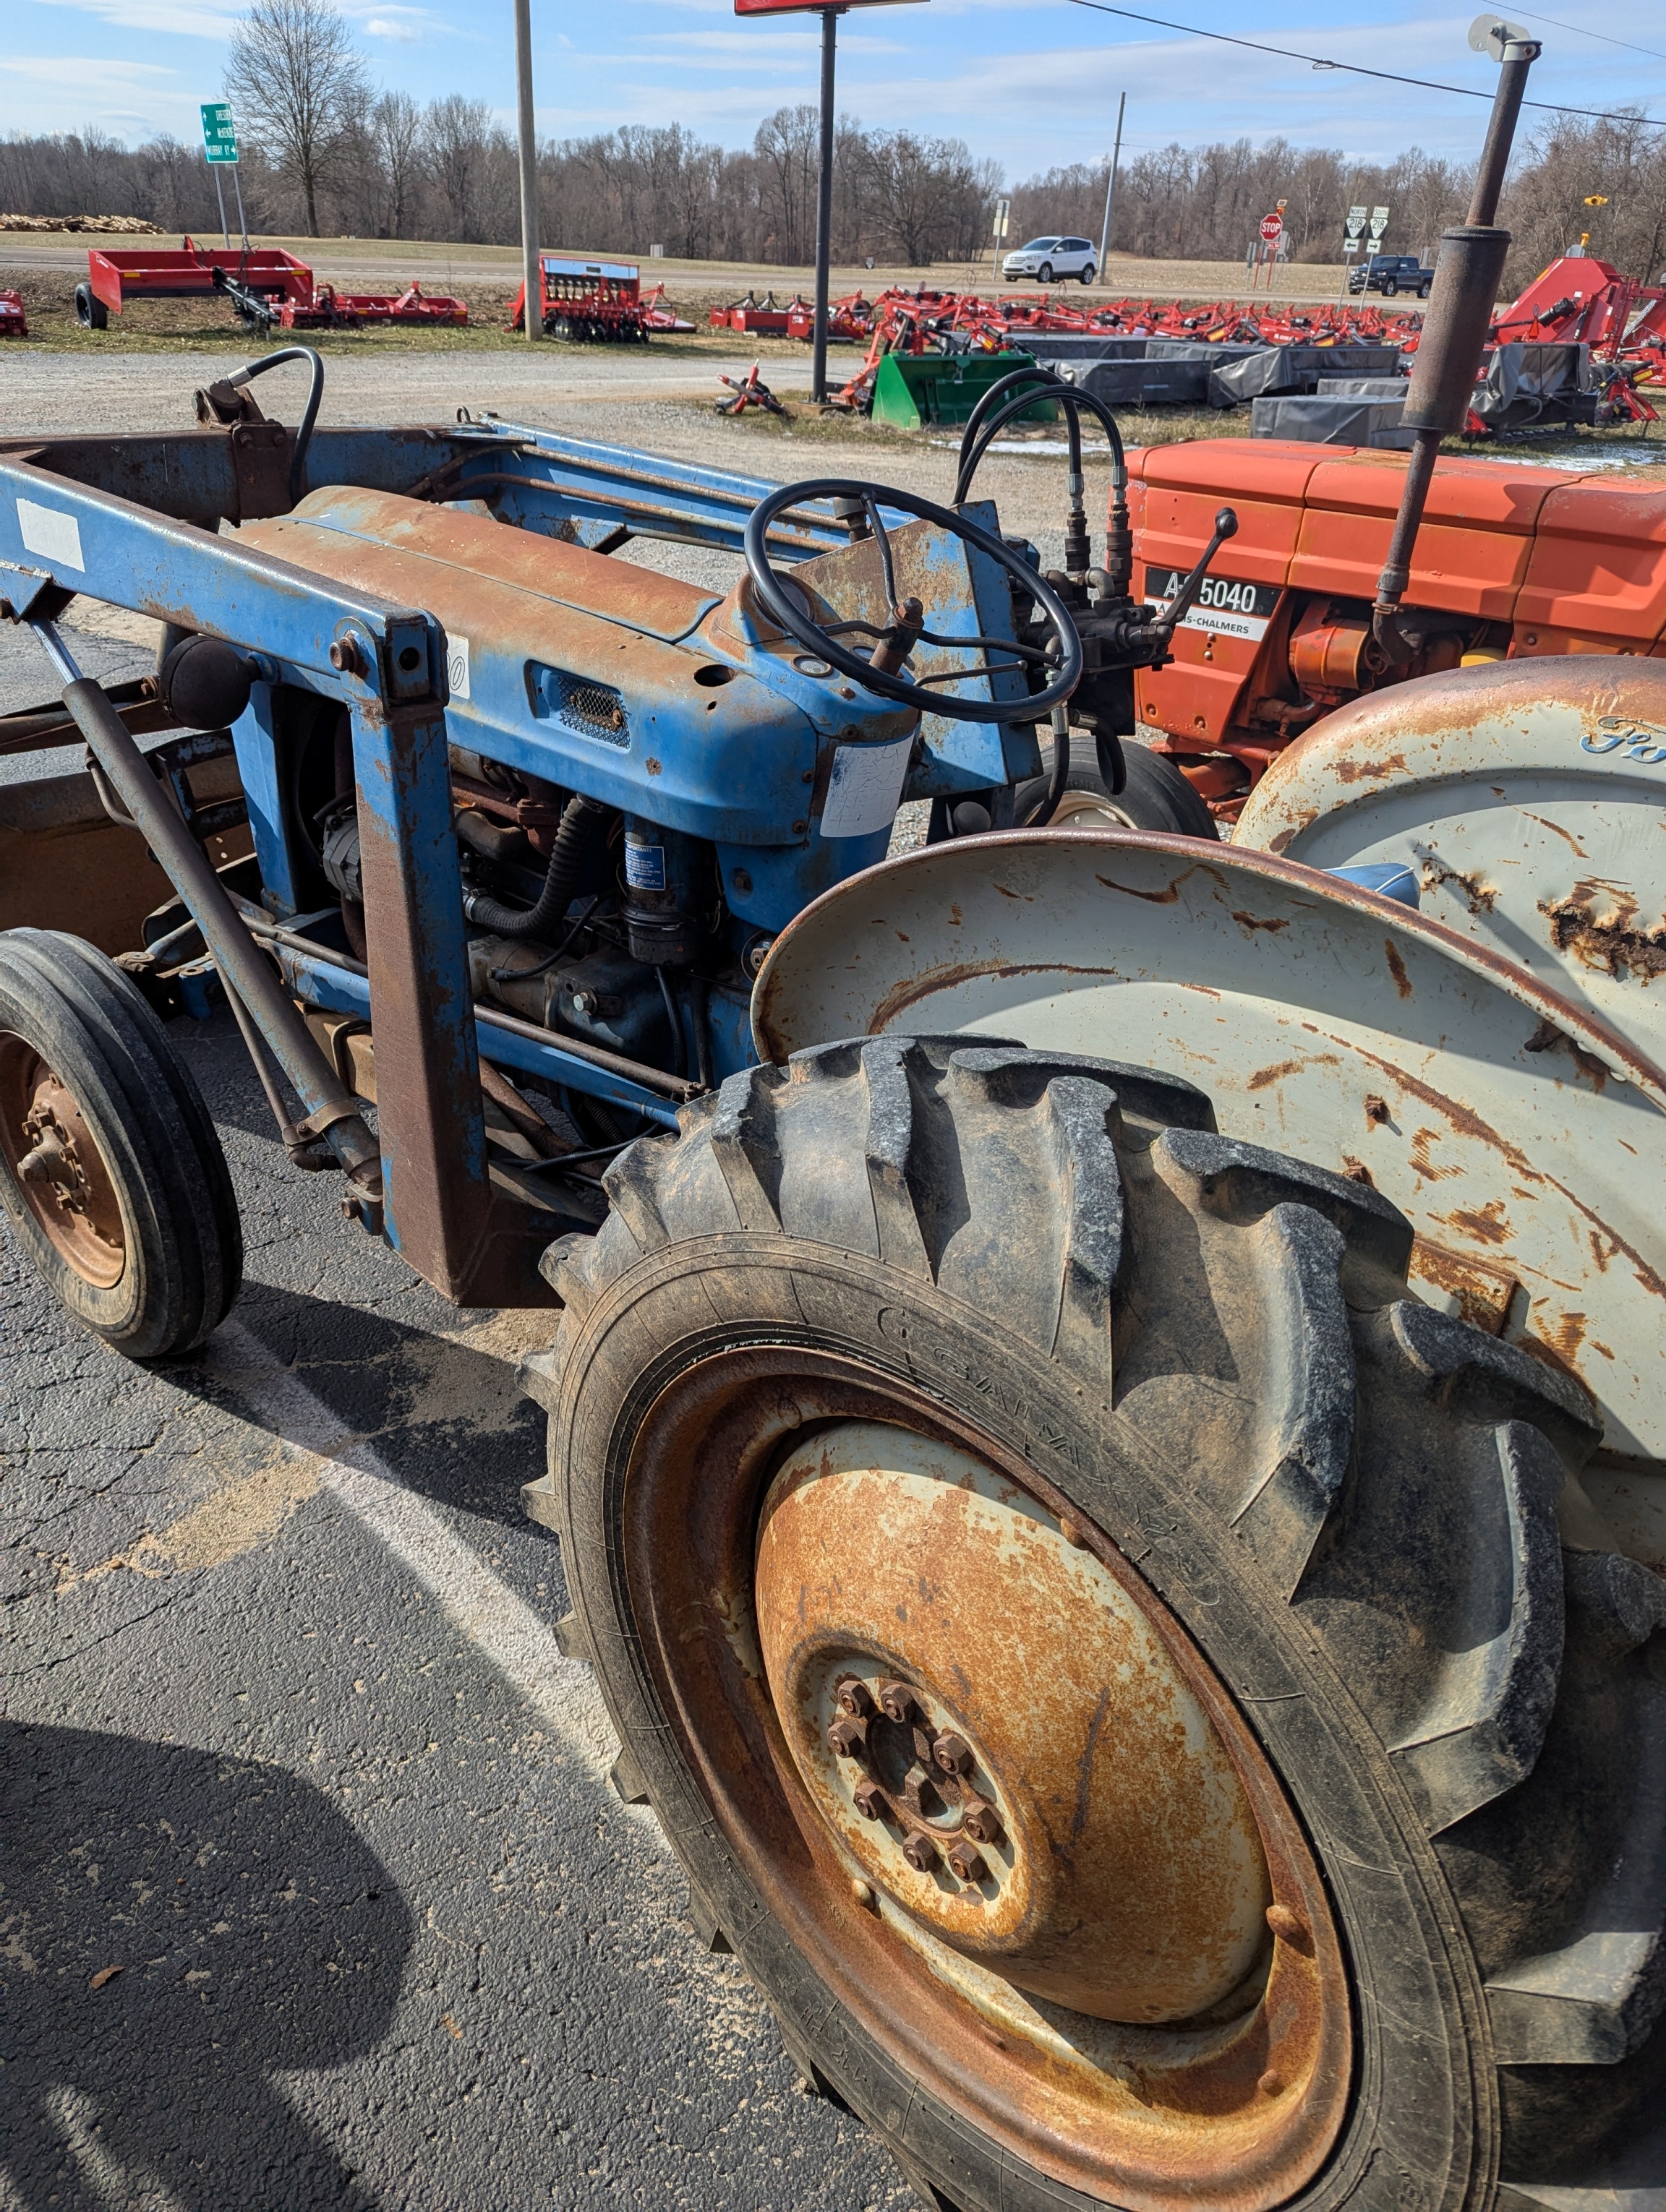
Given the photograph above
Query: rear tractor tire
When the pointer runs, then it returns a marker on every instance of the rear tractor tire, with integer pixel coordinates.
(1102, 1650)
(1155, 796)
(110, 1169)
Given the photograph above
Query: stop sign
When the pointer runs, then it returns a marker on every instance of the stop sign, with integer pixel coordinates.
(1272, 227)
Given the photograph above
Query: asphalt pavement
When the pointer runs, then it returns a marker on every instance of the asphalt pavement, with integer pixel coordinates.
(313, 1889)
(314, 1893)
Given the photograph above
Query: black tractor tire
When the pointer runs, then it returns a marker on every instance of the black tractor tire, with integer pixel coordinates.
(1201, 1361)
(144, 1247)
(1156, 796)
(90, 312)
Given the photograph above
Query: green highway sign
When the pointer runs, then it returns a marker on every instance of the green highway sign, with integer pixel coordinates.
(219, 138)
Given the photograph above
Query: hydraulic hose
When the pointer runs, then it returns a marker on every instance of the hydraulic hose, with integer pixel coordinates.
(579, 824)
(1044, 385)
(309, 414)
(983, 428)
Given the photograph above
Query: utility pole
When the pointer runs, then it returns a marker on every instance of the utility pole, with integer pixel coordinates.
(533, 312)
(1111, 184)
(824, 204)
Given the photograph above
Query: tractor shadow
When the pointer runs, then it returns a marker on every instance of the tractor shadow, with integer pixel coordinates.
(441, 1412)
(255, 1934)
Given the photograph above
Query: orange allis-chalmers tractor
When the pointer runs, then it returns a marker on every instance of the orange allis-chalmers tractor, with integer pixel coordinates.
(1509, 563)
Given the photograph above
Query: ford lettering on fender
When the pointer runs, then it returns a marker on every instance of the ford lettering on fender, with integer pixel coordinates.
(1643, 741)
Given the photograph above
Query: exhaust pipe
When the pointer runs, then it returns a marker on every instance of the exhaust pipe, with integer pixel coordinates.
(1460, 304)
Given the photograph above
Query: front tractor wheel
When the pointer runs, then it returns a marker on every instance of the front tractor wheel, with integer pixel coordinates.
(1100, 1646)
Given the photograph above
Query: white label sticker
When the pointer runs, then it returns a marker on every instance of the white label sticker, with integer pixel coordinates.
(865, 789)
(457, 664)
(50, 533)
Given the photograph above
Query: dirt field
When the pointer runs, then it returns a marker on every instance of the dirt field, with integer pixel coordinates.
(377, 264)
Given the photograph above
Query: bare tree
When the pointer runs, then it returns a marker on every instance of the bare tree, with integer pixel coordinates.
(788, 149)
(396, 124)
(293, 80)
(929, 197)
(458, 136)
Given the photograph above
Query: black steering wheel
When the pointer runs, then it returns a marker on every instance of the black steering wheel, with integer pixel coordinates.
(880, 672)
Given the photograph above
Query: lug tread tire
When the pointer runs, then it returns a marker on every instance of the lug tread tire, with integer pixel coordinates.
(90, 1022)
(1393, 1480)
(1155, 797)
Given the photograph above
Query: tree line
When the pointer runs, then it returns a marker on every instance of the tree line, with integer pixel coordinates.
(326, 152)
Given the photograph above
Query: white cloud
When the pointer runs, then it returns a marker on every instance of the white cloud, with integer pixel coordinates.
(383, 26)
(187, 19)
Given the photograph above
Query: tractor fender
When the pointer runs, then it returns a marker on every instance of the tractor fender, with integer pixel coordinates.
(1523, 1136)
(1528, 797)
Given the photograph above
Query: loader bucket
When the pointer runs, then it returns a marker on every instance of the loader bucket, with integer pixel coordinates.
(916, 390)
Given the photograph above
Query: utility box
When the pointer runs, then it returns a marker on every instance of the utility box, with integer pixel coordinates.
(916, 390)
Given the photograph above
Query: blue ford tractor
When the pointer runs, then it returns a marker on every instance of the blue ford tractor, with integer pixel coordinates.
(1067, 1428)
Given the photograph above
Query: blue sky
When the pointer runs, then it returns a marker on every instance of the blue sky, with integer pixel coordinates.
(1031, 82)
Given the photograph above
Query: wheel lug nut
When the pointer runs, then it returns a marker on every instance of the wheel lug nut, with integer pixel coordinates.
(855, 1698)
(847, 1737)
(920, 1851)
(871, 1800)
(898, 1702)
(983, 1823)
(967, 1861)
(952, 1752)
(1289, 1927)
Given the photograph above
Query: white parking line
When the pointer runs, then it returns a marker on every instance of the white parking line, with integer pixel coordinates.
(501, 1625)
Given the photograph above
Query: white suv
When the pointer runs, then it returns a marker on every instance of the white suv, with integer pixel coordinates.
(1048, 259)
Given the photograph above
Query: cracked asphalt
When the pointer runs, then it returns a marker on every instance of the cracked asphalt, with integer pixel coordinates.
(313, 1889)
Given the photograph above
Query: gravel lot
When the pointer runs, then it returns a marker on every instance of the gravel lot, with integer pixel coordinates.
(288, 1743)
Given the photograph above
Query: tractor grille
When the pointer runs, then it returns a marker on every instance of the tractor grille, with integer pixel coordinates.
(597, 710)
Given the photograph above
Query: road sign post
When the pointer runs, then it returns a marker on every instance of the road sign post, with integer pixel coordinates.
(1266, 249)
(1355, 230)
(829, 16)
(220, 151)
(998, 232)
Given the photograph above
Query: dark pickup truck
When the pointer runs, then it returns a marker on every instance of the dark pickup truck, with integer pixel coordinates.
(1389, 273)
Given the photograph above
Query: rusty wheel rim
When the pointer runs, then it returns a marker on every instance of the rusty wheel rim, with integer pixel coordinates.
(1091, 809)
(884, 1795)
(57, 1167)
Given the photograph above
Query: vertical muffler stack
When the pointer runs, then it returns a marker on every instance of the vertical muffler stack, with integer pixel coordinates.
(1460, 318)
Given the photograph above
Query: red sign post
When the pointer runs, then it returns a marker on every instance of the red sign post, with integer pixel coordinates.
(829, 16)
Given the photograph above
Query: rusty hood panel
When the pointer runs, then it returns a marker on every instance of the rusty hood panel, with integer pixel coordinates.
(546, 568)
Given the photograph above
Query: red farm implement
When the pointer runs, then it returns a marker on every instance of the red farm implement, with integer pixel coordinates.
(923, 320)
(13, 324)
(849, 320)
(116, 277)
(267, 289)
(761, 319)
(658, 314)
(346, 309)
(595, 300)
(1582, 300)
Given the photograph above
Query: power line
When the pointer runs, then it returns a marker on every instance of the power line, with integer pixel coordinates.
(1579, 31)
(1356, 69)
